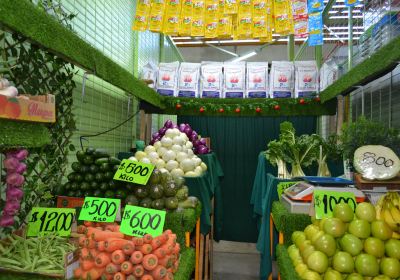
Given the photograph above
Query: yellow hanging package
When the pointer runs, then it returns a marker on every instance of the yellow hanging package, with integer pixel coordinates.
(171, 17)
(245, 7)
(281, 13)
(142, 15)
(221, 4)
(186, 18)
(259, 8)
(244, 26)
(140, 23)
(211, 19)
(156, 15)
(259, 27)
(173, 7)
(224, 28)
(268, 37)
(198, 18)
(230, 7)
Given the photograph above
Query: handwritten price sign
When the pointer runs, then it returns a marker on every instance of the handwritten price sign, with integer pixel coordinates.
(325, 201)
(134, 172)
(97, 209)
(46, 220)
(282, 186)
(138, 221)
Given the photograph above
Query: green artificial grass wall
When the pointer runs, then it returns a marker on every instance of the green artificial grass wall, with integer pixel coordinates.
(25, 18)
(285, 266)
(248, 106)
(286, 222)
(186, 264)
(17, 134)
(381, 62)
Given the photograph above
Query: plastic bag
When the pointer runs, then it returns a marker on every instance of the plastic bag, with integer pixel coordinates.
(257, 80)
(306, 79)
(234, 79)
(167, 78)
(149, 72)
(329, 73)
(281, 79)
(188, 85)
(211, 80)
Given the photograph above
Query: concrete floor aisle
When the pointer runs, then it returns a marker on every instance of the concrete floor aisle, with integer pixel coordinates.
(236, 261)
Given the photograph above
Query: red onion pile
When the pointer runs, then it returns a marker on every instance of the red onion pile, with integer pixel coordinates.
(14, 180)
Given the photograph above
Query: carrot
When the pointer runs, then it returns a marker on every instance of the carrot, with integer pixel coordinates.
(93, 253)
(150, 261)
(160, 253)
(78, 273)
(90, 243)
(128, 248)
(159, 272)
(100, 246)
(112, 268)
(84, 253)
(177, 248)
(102, 259)
(88, 223)
(95, 273)
(163, 238)
(113, 227)
(106, 235)
(118, 257)
(107, 276)
(138, 270)
(175, 266)
(147, 277)
(173, 237)
(136, 257)
(84, 275)
(81, 229)
(168, 248)
(131, 277)
(139, 241)
(90, 230)
(114, 244)
(155, 243)
(119, 276)
(82, 241)
(146, 249)
(167, 262)
(168, 231)
(86, 264)
(169, 276)
(126, 267)
(147, 238)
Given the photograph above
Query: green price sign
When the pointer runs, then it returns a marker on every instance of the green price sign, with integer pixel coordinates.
(325, 201)
(138, 221)
(282, 186)
(134, 172)
(98, 209)
(46, 220)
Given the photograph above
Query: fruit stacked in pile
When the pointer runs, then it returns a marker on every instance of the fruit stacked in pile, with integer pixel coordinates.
(92, 175)
(388, 209)
(163, 191)
(346, 247)
(106, 253)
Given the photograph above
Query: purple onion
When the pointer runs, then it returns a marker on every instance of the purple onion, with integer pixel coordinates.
(152, 142)
(193, 136)
(203, 141)
(162, 131)
(202, 149)
(11, 163)
(6, 220)
(21, 168)
(155, 135)
(196, 143)
(168, 124)
(14, 192)
(188, 130)
(15, 179)
(18, 154)
(182, 127)
(175, 126)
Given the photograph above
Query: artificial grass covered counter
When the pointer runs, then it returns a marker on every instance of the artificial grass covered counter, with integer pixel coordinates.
(285, 266)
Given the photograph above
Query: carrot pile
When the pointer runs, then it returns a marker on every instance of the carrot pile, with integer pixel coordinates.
(107, 254)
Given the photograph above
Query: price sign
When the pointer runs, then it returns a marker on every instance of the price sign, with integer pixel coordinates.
(325, 201)
(138, 221)
(282, 186)
(134, 172)
(46, 220)
(98, 209)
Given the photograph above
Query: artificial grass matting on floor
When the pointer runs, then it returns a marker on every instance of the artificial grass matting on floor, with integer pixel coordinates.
(285, 266)
(27, 19)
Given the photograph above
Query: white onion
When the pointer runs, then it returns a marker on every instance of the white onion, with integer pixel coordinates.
(166, 142)
(133, 158)
(184, 136)
(177, 172)
(176, 148)
(140, 154)
(169, 155)
(198, 170)
(181, 156)
(170, 133)
(145, 160)
(9, 91)
(160, 163)
(157, 145)
(187, 165)
(172, 164)
(163, 170)
(178, 140)
(203, 166)
(153, 156)
(191, 174)
(189, 145)
(196, 160)
(161, 151)
(190, 153)
(149, 149)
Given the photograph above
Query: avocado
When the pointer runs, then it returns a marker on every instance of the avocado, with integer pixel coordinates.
(71, 193)
(84, 169)
(80, 155)
(100, 153)
(155, 177)
(99, 177)
(88, 159)
(183, 193)
(67, 186)
(158, 204)
(89, 150)
(109, 194)
(85, 186)
(98, 193)
(74, 186)
(109, 175)
(59, 189)
(115, 168)
(93, 168)
(78, 193)
(94, 185)
(131, 200)
(145, 202)
(71, 176)
(171, 203)
(103, 186)
(88, 193)
(141, 192)
(121, 194)
(76, 166)
(156, 191)
(78, 178)
(105, 167)
(112, 185)
(89, 177)
(170, 189)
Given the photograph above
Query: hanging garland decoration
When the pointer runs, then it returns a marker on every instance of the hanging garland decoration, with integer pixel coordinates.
(249, 107)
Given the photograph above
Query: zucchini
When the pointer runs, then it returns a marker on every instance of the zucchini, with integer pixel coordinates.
(114, 161)
(101, 153)
(76, 166)
(100, 161)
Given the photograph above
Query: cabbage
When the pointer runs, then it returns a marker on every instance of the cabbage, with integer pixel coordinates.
(169, 155)
(187, 165)
(177, 172)
(170, 133)
(198, 170)
(166, 142)
(176, 148)
(149, 149)
(163, 170)
(172, 164)
(190, 153)
(181, 156)
(140, 154)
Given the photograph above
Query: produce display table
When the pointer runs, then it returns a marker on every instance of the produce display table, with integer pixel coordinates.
(286, 268)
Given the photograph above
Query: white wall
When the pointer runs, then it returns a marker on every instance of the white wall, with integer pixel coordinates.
(269, 53)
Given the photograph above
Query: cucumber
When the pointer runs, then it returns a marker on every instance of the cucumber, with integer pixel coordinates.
(80, 155)
(113, 161)
(100, 153)
(89, 151)
(99, 161)
(105, 167)
(76, 166)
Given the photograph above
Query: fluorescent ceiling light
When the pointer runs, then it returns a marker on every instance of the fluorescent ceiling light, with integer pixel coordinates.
(189, 43)
(344, 27)
(333, 12)
(337, 17)
(245, 56)
(354, 11)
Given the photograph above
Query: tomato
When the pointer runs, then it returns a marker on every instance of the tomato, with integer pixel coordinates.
(374, 247)
(367, 265)
(307, 252)
(317, 236)
(332, 274)
(344, 212)
(301, 268)
(392, 248)
(298, 237)
(326, 244)
(351, 244)
(360, 228)
(381, 277)
(354, 276)
(343, 262)
(311, 275)
(390, 267)
(380, 229)
(310, 231)
(303, 245)
(334, 227)
(318, 262)
(366, 211)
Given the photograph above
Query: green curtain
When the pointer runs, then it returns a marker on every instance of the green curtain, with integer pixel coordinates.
(237, 143)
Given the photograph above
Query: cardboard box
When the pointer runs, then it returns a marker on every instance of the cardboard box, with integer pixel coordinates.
(40, 108)
(69, 202)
